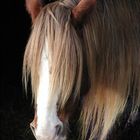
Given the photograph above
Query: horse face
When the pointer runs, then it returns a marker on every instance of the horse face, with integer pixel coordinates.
(46, 124)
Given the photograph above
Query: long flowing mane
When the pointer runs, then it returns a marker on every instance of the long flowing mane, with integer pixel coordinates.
(103, 51)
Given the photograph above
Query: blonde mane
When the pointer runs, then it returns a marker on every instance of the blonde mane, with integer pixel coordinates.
(107, 42)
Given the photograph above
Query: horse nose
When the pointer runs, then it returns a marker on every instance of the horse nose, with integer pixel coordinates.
(59, 129)
(33, 129)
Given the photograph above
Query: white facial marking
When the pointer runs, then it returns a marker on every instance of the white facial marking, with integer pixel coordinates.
(46, 105)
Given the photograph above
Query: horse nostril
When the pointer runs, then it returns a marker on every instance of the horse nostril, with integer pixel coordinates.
(59, 129)
(32, 129)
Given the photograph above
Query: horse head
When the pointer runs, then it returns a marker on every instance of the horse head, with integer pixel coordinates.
(83, 59)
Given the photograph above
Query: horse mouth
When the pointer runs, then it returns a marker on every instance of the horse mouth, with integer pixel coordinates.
(48, 138)
(60, 134)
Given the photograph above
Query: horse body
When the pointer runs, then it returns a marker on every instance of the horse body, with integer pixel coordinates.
(69, 50)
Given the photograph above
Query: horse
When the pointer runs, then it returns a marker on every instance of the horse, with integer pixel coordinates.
(83, 60)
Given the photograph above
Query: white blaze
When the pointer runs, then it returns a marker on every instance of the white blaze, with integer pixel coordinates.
(46, 104)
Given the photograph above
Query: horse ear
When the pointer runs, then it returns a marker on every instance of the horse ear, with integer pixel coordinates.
(82, 9)
(33, 8)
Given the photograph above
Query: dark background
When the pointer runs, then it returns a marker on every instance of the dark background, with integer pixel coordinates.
(16, 111)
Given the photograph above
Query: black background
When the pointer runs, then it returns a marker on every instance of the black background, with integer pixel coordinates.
(16, 111)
